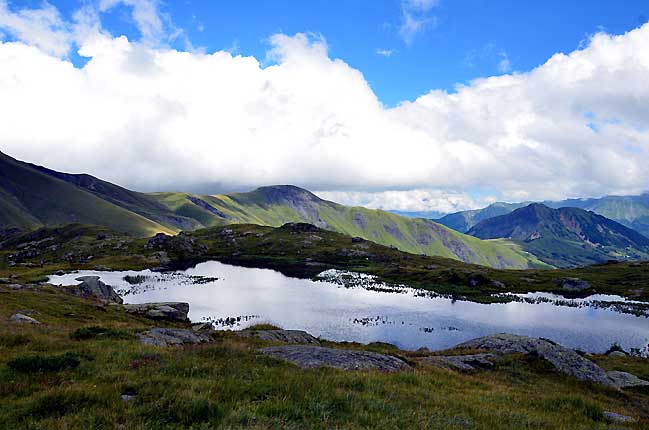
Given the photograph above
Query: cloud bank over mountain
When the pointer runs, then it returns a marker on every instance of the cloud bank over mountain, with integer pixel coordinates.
(150, 117)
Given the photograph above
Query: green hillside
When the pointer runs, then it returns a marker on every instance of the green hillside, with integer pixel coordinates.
(277, 205)
(565, 237)
(30, 198)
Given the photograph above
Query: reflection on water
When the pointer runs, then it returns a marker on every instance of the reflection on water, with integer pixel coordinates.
(236, 297)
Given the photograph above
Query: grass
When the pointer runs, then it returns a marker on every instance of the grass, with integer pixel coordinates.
(229, 385)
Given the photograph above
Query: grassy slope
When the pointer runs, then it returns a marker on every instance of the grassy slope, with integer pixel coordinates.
(411, 235)
(229, 385)
(52, 201)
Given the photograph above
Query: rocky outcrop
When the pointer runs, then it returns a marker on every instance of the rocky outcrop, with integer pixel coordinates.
(285, 336)
(466, 363)
(309, 357)
(172, 311)
(172, 337)
(92, 287)
(23, 319)
(563, 359)
(573, 284)
(626, 380)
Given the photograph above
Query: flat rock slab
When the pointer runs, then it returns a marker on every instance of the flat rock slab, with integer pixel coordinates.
(172, 337)
(626, 380)
(172, 311)
(309, 357)
(466, 363)
(23, 319)
(286, 336)
(563, 359)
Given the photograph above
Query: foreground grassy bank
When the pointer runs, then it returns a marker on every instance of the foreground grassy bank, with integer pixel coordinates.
(62, 375)
(299, 250)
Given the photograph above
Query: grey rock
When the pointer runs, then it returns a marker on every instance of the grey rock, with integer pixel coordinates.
(286, 336)
(465, 363)
(563, 359)
(92, 287)
(5, 281)
(626, 380)
(127, 397)
(172, 337)
(309, 357)
(204, 326)
(23, 319)
(618, 418)
(573, 284)
(617, 354)
(173, 311)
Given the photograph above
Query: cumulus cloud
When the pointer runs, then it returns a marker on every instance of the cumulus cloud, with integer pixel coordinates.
(153, 118)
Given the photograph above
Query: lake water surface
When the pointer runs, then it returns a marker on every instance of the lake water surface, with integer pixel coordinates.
(243, 296)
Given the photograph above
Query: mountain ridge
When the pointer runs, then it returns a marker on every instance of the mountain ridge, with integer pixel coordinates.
(46, 197)
(565, 236)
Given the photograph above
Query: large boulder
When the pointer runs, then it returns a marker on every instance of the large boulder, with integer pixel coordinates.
(308, 357)
(92, 287)
(563, 359)
(172, 311)
(160, 336)
(285, 336)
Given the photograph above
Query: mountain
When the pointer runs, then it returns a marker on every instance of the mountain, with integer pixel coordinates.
(30, 197)
(631, 211)
(277, 205)
(565, 237)
(464, 220)
(33, 196)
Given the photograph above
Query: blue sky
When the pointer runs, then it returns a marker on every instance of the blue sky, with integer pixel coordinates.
(463, 39)
(375, 103)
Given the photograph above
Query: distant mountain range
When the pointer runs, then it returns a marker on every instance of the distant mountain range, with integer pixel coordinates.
(33, 196)
(565, 237)
(631, 211)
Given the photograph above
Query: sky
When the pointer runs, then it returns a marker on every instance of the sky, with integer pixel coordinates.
(415, 105)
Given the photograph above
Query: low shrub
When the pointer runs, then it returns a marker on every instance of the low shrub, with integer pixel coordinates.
(45, 363)
(94, 332)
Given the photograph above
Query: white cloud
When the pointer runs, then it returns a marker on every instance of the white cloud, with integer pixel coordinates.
(43, 27)
(155, 118)
(504, 65)
(416, 18)
(418, 200)
(385, 52)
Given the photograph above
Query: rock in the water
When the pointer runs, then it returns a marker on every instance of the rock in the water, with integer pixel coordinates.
(563, 359)
(23, 319)
(91, 286)
(286, 336)
(626, 380)
(465, 363)
(573, 284)
(172, 336)
(618, 418)
(173, 311)
(308, 357)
